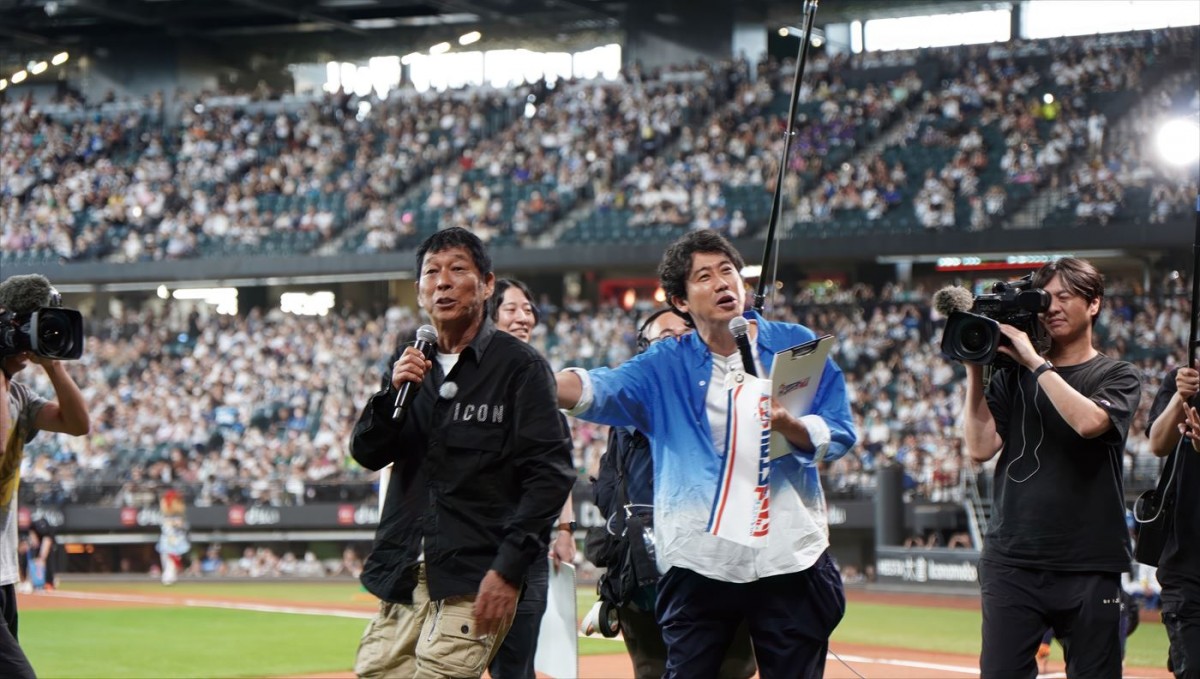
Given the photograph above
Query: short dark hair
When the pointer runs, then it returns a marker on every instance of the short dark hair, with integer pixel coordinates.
(497, 298)
(455, 237)
(1078, 276)
(676, 264)
(643, 342)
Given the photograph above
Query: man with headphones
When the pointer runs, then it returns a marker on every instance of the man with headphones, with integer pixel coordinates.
(1057, 542)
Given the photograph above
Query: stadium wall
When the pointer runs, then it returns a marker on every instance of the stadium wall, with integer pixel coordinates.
(1132, 238)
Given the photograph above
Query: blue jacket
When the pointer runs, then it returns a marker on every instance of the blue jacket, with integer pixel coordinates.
(662, 393)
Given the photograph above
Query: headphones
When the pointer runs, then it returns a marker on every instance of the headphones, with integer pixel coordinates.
(643, 342)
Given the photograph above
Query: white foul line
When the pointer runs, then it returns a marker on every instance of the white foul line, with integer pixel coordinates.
(911, 663)
(211, 603)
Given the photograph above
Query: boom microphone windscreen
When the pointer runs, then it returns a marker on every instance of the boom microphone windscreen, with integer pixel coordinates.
(25, 294)
(953, 298)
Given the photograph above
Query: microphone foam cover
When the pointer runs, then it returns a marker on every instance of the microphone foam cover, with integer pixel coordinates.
(738, 326)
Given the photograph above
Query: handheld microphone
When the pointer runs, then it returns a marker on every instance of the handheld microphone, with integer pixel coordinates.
(952, 298)
(740, 329)
(426, 343)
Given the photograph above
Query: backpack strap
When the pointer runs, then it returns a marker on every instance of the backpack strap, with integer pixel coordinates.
(615, 449)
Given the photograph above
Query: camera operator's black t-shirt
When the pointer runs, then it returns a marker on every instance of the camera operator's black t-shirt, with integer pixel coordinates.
(1059, 500)
(1179, 565)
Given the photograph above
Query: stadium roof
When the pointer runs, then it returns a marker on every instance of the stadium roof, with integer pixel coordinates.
(74, 24)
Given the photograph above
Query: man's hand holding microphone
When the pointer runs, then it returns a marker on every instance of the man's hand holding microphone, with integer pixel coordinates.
(409, 371)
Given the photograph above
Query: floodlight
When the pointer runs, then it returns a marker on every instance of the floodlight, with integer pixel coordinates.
(1178, 141)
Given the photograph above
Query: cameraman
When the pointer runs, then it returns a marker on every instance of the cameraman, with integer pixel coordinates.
(1057, 542)
(22, 415)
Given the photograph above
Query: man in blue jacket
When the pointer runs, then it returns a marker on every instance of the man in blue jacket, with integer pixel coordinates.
(786, 588)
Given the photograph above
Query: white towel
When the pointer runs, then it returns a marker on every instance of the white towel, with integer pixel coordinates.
(741, 507)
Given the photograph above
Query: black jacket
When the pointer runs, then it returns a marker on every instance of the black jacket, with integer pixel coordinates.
(477, 477)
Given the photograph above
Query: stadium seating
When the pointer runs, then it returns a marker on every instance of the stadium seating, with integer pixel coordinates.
(214, 176)
(269, 425)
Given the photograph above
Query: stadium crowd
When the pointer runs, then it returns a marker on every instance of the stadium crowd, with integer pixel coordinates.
(258, 408)
(217, 174)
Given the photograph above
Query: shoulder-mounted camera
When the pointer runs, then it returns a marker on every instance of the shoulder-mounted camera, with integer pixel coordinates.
(974, 336)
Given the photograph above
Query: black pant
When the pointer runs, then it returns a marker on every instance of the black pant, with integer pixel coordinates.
(13, 662)
(1181, 617)
(644, 641)
(1083, 609)
(514, 658)
(790, 618)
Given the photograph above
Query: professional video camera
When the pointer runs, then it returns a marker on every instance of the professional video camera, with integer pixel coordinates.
(32, 319)
(49, 332)
(972, 331)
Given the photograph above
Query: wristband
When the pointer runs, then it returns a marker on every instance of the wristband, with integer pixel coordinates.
(1047, 366)
(568, 526)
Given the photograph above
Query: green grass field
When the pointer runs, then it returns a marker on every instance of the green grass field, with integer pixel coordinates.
(185, 642)
(206, 642)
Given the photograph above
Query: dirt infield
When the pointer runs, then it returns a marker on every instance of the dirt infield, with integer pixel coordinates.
(846, 661)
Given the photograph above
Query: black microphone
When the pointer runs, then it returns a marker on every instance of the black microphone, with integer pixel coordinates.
(953, 298)
(739, 327)
(426, 343)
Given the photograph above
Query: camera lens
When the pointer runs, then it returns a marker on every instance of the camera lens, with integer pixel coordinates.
(54, 335)
(971, 337)
(974, 338)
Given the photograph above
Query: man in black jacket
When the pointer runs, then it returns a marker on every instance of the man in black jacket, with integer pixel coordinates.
(1173, 415)
(482, 465)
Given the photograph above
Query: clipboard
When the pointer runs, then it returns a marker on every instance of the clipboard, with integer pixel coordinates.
(795, 377)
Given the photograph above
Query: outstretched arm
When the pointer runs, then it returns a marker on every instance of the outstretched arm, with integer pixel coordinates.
(570, 388)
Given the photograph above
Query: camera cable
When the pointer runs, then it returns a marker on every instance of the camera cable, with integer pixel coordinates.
(1025, 434)
(848, 665)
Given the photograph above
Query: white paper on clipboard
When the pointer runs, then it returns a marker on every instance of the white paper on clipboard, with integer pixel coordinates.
(558, 638)
(795, 376)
